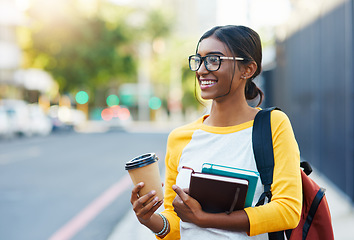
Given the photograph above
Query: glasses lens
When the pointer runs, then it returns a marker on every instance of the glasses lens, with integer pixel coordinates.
(194, 63)
(212, 63)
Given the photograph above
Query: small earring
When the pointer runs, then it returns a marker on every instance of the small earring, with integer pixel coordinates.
(243, 77)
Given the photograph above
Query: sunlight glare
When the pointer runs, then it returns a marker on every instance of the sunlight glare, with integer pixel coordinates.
(22, 5)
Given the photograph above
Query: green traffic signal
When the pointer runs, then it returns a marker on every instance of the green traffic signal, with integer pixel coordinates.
(82, 97)
(155, 103)
(112, 100)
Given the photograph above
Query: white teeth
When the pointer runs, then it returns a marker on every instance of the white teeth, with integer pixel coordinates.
(207, 82)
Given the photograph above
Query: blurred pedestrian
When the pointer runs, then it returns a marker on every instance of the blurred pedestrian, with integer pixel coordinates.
(227, 60)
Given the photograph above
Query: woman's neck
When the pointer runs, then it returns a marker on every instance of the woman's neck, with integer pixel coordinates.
(224, 114)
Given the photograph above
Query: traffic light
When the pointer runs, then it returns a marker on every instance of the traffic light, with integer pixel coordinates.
(82, 97)
(155, 103)
(112, 100)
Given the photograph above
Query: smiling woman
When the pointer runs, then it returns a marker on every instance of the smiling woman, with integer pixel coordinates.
(226, 61)
(233, 48)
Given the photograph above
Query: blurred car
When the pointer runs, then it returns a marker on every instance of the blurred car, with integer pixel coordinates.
(57, 124)
(6, 130)
(117, 117)
(23, 119)
(65, 118)
(18, 115)
(40, 123)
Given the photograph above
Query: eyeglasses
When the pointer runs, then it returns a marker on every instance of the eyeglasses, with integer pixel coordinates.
(211, 62)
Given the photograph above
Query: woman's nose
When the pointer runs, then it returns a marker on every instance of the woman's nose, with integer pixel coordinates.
(202, 69)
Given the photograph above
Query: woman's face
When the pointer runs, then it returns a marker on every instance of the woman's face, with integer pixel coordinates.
(217, 83)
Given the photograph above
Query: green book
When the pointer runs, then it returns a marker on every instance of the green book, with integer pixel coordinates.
(251, 176)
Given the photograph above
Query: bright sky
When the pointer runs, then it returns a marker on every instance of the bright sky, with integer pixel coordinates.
(22, 4)
(247, 12)
(254, 13)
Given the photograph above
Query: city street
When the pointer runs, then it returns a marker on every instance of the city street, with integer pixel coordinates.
(68, 185)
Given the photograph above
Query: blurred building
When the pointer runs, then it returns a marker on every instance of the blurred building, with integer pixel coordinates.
(10, 52)
(313, 82)
(193, 17)
(28, 84)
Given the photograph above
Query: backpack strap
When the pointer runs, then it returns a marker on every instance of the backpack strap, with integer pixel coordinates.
(316, 201)
(263, 152)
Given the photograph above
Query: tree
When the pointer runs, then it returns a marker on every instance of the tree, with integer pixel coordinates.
(80, 51)
(95, 47)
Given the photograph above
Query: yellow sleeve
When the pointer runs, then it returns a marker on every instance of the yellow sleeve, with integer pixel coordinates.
(176, 142)
(284, 210)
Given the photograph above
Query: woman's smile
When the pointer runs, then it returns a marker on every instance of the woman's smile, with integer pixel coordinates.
(207, 83)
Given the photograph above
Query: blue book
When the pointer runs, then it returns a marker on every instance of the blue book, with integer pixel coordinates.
(251, 176)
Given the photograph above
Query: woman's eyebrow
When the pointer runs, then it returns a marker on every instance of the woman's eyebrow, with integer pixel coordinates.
(213, 53)
(220, 53)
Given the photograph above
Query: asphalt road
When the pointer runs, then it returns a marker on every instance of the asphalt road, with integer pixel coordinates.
(70, 182)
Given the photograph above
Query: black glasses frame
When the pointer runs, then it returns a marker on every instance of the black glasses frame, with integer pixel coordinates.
(203, 60)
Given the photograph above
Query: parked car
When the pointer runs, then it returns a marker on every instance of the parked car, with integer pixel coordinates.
(18, 115)
(65, 118)
(40, 123)
(6, 130)
(24, 119)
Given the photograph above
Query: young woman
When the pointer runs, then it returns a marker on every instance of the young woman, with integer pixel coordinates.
(227, 60)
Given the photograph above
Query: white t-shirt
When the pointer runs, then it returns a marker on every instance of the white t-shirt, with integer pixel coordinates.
(231, 149)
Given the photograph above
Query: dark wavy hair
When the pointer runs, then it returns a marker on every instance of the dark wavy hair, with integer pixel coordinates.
(242, 42)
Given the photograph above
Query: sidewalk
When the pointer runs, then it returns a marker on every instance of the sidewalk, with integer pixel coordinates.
(130, 229)
(340, 206)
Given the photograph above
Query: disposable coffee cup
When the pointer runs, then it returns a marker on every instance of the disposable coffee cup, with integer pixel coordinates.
(145, 168)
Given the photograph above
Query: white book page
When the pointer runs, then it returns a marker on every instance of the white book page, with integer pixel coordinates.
(221, 178)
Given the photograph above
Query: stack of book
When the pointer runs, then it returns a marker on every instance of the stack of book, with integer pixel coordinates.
(223, 189)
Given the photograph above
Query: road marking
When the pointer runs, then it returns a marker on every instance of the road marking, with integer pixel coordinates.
(92, 210)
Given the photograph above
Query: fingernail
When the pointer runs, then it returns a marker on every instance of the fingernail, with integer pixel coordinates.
(156, 199)
(153, 192)
(174, 187)
(140, 184)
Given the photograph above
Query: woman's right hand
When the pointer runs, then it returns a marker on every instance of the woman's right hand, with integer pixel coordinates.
(144, 212)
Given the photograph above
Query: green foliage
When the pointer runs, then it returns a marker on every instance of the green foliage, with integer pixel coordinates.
(97, 50)
(190, 87)
(157, 25)
(80, 51)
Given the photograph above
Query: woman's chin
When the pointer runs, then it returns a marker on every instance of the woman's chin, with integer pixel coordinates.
(206, 96)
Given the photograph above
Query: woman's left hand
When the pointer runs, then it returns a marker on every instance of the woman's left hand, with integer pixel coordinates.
(187, 208)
